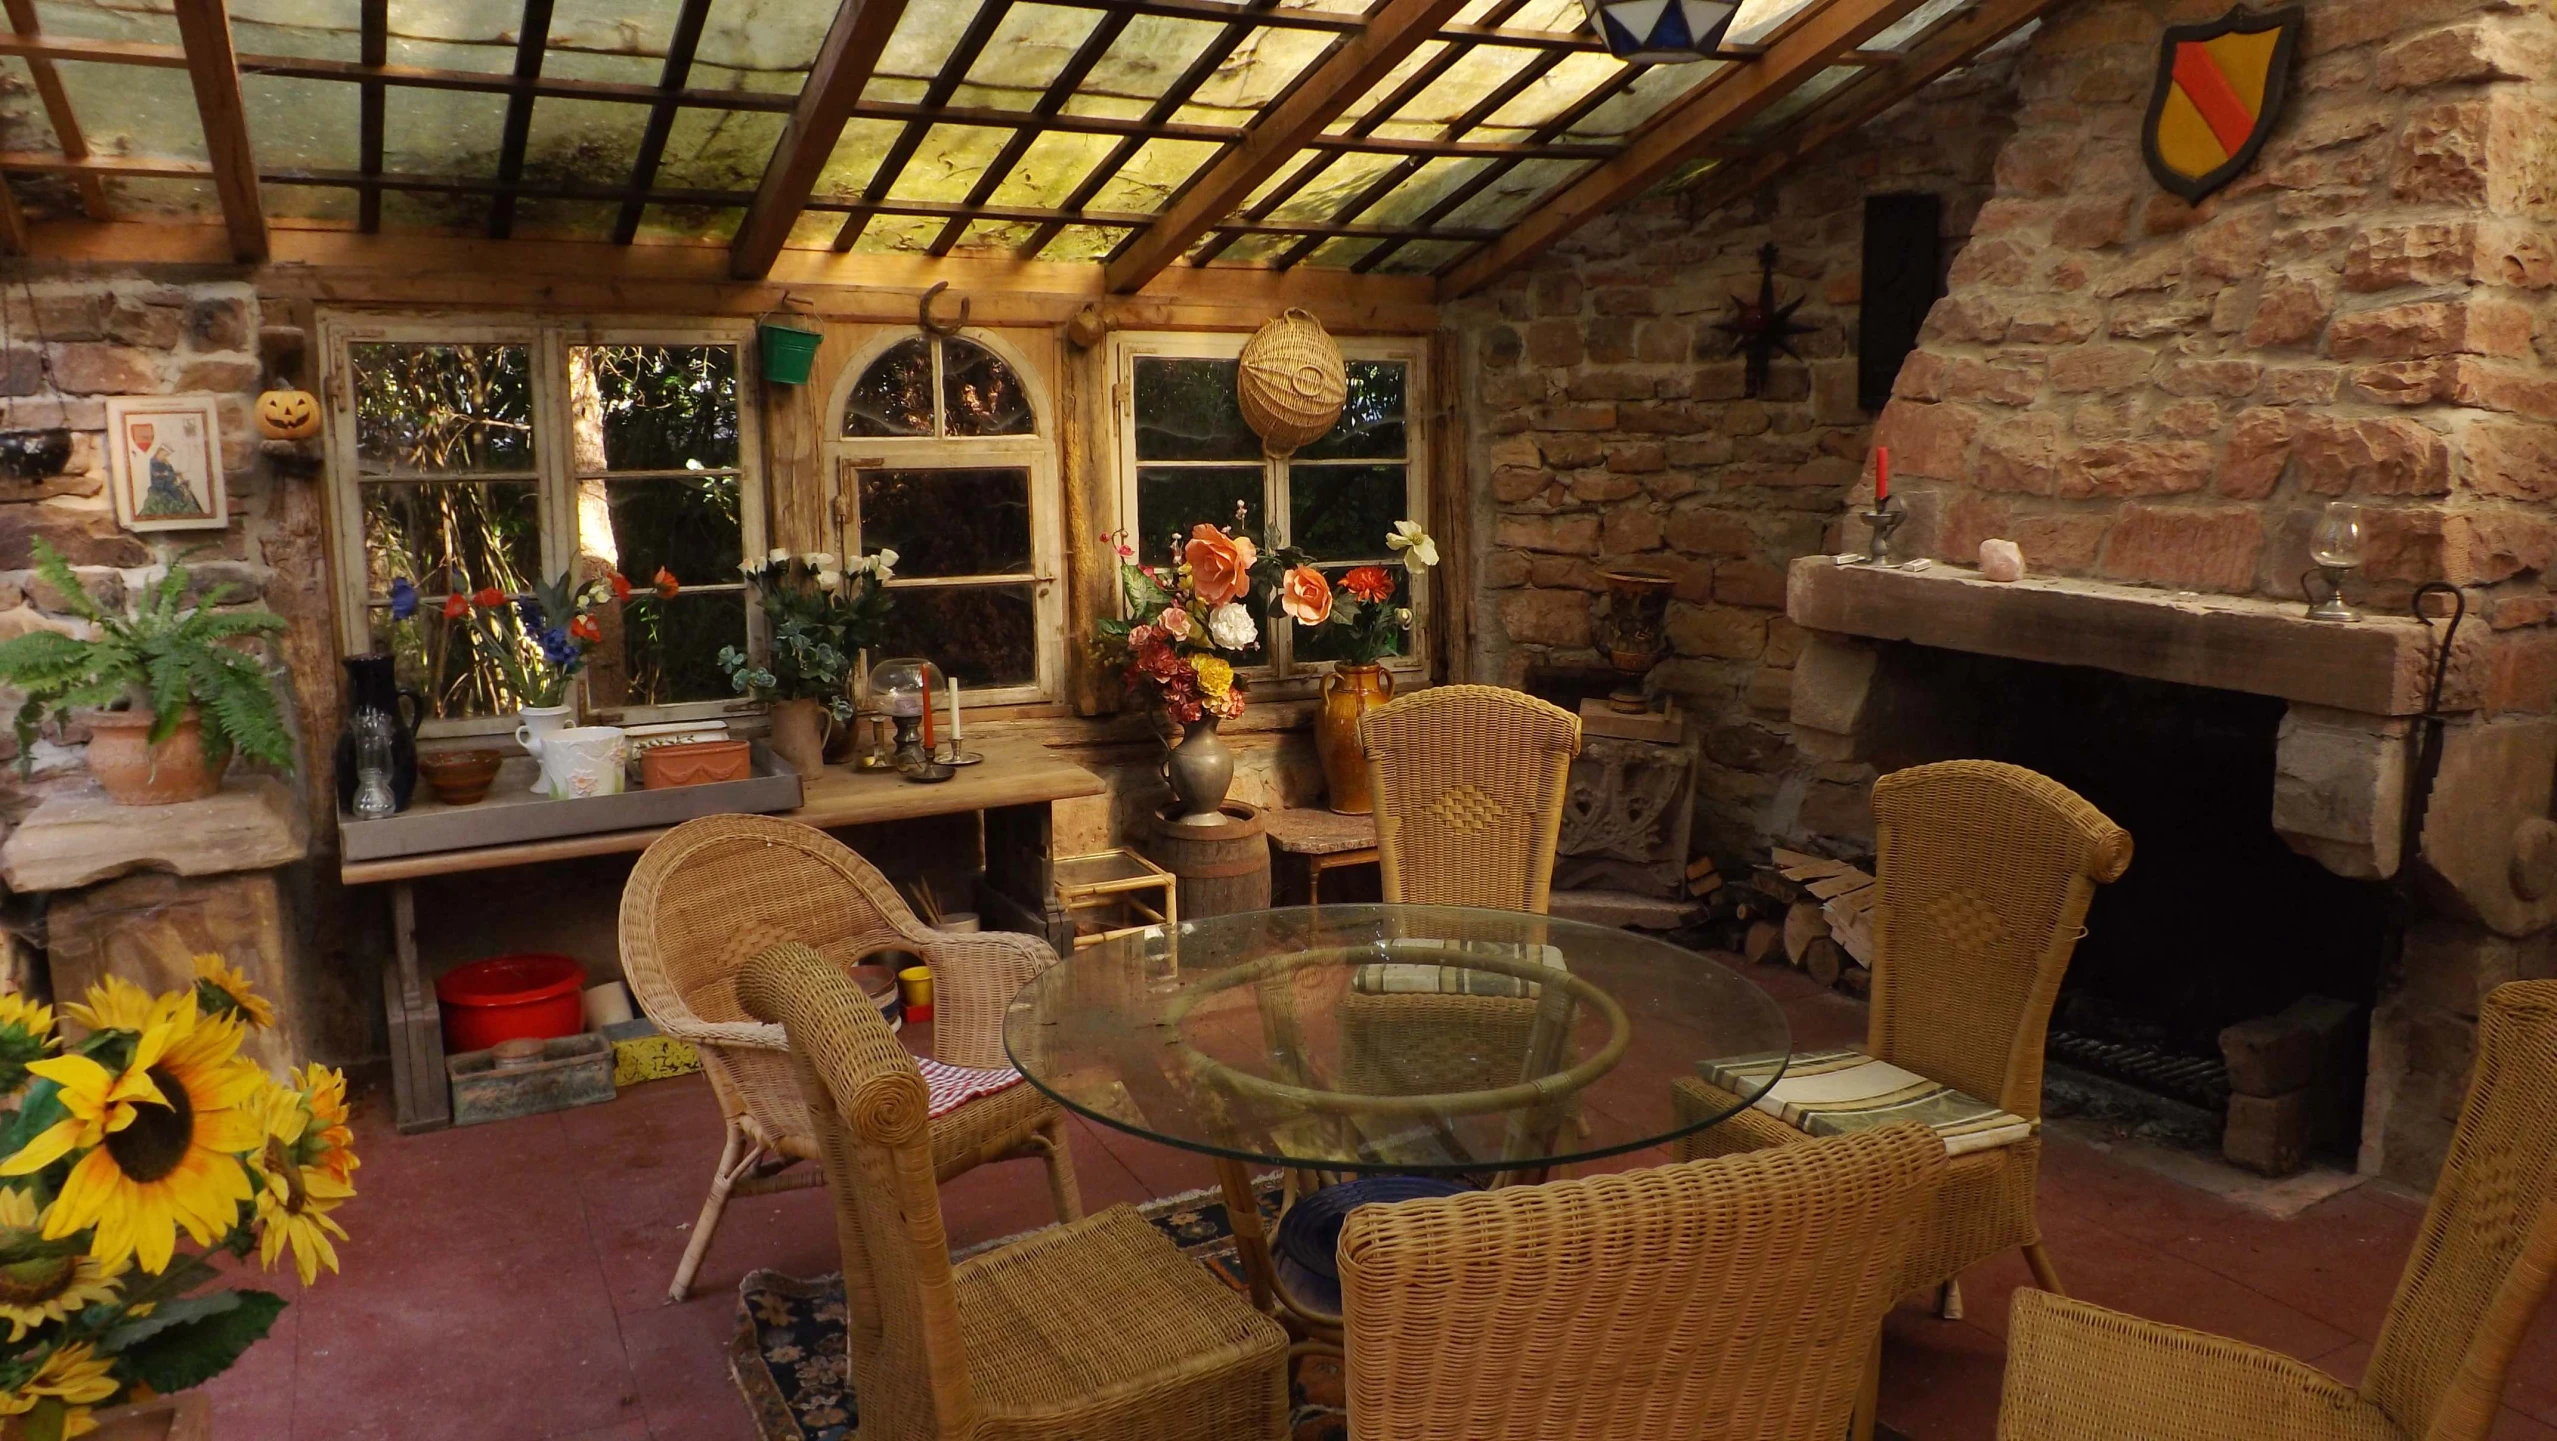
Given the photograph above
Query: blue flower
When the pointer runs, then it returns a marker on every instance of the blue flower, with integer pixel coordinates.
(558, 648)
(529, 612)
(403, 599)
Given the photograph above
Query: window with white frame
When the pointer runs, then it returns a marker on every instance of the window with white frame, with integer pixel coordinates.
(487, 455)
(944, 452)
(1186, 458)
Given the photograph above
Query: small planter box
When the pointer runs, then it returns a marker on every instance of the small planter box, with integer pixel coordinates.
(512, 813)
(569, 1071)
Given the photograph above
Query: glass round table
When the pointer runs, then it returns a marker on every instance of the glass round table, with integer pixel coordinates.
(1386, 1039)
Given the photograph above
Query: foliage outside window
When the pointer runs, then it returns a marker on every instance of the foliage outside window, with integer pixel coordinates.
(1188, 458)
(476, 457)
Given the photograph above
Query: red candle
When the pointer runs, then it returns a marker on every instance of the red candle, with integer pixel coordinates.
(1881, 475)
(928, 746)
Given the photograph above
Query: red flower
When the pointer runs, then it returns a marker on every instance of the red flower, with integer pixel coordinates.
(621, 586)
(585, 629)
(456, 606)
(665, 583)
(1368, 583)
(489, 598)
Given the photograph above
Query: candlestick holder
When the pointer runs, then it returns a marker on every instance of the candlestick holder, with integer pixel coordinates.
(1883, 520)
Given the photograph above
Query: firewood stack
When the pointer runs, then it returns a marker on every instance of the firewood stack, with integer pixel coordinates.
(1818, 918)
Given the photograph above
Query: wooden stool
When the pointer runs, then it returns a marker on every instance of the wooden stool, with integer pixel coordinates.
(1317, 841)
(1107, 892)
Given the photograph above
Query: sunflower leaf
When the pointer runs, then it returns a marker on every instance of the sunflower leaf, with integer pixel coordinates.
(193, 1352)
(36, 1115)
(167, 1314)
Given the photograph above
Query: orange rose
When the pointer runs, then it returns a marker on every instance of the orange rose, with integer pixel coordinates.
(1220, 564)
(1306, 596)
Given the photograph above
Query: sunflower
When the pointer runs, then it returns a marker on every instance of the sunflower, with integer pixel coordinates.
(72, 1379)
(37, 1285)
(220, 989)
(116, 1004)
(171, 1129)
(330, 1141)
(302, 1177)
(26, 1033)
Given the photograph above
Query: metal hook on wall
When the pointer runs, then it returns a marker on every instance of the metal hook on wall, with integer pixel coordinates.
(923, 312)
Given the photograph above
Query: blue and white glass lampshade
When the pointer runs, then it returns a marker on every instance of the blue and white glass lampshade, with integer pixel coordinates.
(1660, 32)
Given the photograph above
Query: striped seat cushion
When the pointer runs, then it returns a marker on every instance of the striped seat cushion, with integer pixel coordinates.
(1830, 1093)
(1424, 974)
(954, 1086)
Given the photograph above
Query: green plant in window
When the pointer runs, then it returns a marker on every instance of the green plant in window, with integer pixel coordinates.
(821, 616)
(162, 657)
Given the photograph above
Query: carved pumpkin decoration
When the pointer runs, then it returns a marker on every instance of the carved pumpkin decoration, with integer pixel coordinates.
(288, 415)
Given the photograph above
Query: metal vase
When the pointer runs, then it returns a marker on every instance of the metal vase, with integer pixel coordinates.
(1200, 770)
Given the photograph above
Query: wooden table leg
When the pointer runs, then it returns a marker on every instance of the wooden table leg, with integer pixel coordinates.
(1251, 1245)
(422, 1098)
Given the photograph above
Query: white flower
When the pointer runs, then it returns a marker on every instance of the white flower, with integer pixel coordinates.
(819, 560)
(780, 556)
(1403, 617)
(1419, 552)
(751, 568)
(884, 564)
(830, 580)
(1230, 627)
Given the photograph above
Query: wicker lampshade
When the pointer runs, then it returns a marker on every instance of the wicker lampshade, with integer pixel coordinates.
(1290, 384)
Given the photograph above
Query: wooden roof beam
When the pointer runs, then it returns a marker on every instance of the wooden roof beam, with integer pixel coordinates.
(531, 39)
(1719, 106)
(1395, 28)
(843, 67)
(212, 64)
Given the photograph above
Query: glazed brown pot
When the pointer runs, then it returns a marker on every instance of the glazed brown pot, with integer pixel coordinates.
(134, 772)
(1349, 692)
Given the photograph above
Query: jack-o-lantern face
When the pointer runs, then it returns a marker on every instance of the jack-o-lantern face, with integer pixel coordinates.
(288, 414)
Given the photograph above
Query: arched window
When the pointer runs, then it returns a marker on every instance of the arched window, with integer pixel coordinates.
(942, 457)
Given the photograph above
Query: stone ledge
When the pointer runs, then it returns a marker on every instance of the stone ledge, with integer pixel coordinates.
(79, 838)
(2381, 666)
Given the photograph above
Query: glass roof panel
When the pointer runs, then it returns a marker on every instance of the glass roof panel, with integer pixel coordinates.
(711, 224)
(309, 202)
(1082, 243)
(301, 124)
(152, 198)
(433, 211)
(23, 126)
(1258, 71)
(438, 132)
(948, 162)
(1475, 74)
(898, 233)
(1029, 48)
(1791, 105)
(1423, 256)
(1051, 167)
(1408, 201)
(1514, 193)
(1343, 180)
(315, 29)
(1000, 236)
(581, 142)
(537, 219)
(764, 45)
(1559, 89)
(1149, 56)
(1650, 93)
(1339, 254)
(134, 110)
(145, 20)
(1147, 182)
(719, 149)
(1914, 24)
(1757, 19)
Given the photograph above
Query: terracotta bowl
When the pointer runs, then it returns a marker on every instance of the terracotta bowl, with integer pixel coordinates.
(460, 778)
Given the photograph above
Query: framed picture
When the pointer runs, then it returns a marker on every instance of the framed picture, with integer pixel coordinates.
(164, 461)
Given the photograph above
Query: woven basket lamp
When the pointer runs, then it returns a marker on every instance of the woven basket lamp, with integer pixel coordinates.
(1291, 385)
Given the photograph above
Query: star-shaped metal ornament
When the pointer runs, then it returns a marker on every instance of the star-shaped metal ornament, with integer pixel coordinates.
(1760, 328)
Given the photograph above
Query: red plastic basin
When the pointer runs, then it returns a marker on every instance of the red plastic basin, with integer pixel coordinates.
(505, 997)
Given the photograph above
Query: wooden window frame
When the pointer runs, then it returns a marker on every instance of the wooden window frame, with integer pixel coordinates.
(554, 465)
(1284, 677)
(1037, 452)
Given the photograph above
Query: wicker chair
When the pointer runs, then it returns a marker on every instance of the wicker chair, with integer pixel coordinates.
(1469, 783)
(2478, 1273)
(1095, 1328)
(1736, 1298)
(714, 891)
(1985, 874)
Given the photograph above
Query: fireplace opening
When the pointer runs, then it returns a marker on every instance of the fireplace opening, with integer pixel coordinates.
(2217, 923)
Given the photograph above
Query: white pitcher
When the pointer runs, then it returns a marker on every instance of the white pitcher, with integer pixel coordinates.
(581, 760)
(541, 721)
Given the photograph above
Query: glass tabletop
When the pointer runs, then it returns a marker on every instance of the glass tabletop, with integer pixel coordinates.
(1384, 1038)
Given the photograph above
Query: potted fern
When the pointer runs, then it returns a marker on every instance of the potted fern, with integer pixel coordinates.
(168, 696)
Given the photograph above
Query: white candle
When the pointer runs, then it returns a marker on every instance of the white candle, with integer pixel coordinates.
(955, 734)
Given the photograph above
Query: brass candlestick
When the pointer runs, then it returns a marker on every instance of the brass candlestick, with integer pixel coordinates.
(1884, 520)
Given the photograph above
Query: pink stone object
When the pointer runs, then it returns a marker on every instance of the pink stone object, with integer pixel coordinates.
(2001, 560)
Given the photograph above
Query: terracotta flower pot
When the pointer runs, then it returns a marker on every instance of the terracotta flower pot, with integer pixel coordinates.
(134, 772)
(1349, 692)
(186, 1416)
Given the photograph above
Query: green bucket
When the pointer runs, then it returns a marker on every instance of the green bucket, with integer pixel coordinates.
(789, 353)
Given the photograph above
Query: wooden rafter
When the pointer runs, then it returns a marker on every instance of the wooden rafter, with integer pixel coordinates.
(374, 37)
(204, 29)
(1105, 33)
(1395, 28)
(1719, 106)
(13, 224)
(531, 40)
(1341, 22)
(945, 83)
(57, 109)
(860, 31)
(661, 116)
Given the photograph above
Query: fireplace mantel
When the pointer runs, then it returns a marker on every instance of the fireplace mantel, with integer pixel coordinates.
(2380, 666)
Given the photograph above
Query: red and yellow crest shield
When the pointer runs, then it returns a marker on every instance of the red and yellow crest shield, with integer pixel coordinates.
(2220, 89)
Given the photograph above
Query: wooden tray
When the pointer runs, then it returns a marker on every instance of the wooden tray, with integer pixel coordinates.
(512, 813)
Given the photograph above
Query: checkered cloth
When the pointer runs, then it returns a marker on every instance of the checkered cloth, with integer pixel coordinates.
(955, 1086)
(1454, 978)
(1830, 1093)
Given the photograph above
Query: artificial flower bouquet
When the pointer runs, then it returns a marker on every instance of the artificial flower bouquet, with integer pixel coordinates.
(1185, 620)
(821, 615)
(539, 639)
(1363, 606)
(150, 1124)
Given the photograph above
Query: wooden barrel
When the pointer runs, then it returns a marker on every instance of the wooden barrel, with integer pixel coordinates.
(1222, 869)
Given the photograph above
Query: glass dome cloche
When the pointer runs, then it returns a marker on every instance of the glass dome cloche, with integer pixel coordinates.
(903, 690)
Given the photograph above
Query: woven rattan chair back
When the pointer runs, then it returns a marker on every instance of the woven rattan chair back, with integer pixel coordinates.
(1469, 783)
(2482, 1260)
(1736, 1298)
(1983, 880)
(871, 1114)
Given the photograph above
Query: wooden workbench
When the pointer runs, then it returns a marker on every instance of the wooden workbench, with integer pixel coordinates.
(1014, 788)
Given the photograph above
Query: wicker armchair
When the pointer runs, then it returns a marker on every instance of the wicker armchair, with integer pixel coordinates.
(1097, 1328)
(1737, 1298)
(1985, 873)
(2478, 1273)
(1469, 783)
(714, 891)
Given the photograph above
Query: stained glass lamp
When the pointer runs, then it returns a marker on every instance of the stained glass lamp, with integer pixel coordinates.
(1660, 32)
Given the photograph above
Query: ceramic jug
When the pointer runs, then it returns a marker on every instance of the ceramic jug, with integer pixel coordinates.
(542, 720)
(373, 686)
(581, 760)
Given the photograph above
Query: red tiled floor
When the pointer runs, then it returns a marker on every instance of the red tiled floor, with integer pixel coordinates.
(506, 1282)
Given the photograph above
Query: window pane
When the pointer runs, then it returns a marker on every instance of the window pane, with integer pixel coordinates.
(1185, 410)
(451, 535)
(1342, 512)
(669, 648)
(689, 525)
(979, 393)
(986, 635)
(1327, 642)
(662, 407)
(1371, 423)
(428, 409)
(440, 660)
(894, 396)
(1171, 501)
(948, 522)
